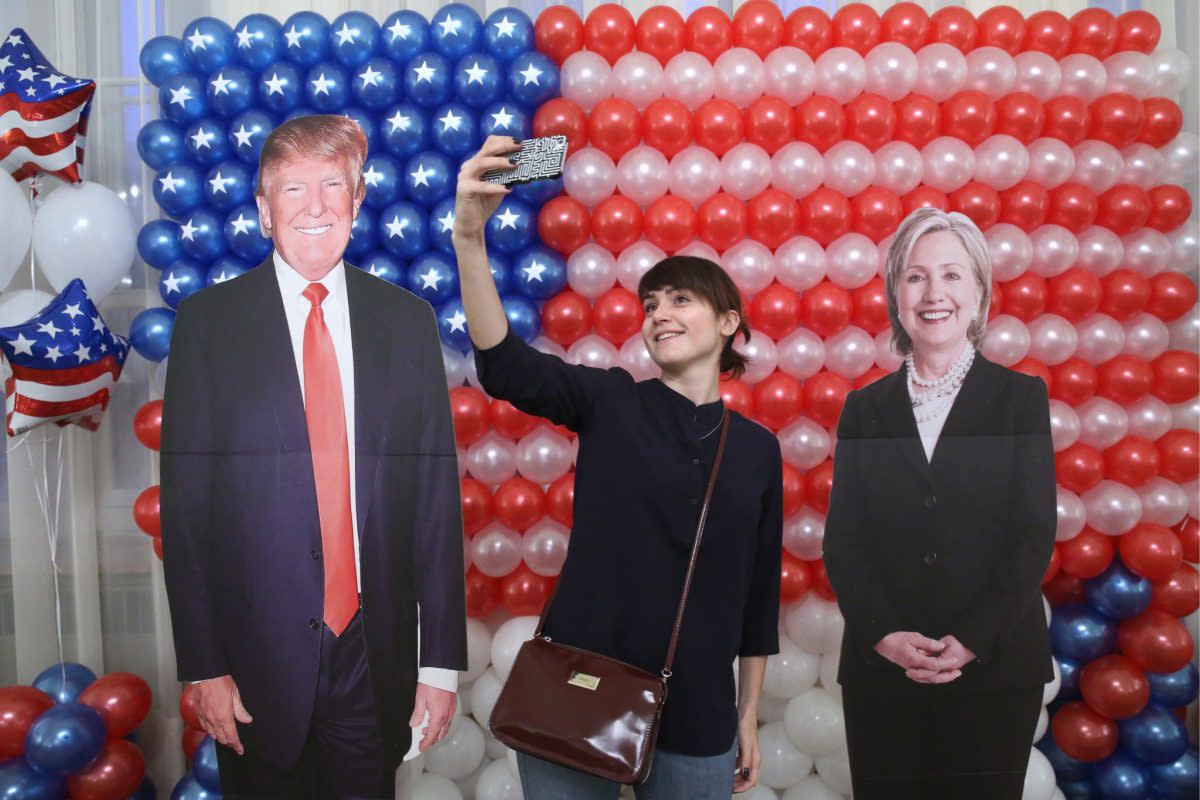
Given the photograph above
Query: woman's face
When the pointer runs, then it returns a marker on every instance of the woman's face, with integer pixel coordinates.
(680, 329)
(936, 294)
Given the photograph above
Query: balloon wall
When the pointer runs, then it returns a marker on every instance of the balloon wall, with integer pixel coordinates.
(788, 150)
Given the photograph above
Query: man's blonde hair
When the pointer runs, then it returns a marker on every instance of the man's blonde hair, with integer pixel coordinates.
(327, 137)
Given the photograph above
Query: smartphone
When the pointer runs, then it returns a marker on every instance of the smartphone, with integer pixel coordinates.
(539, 159)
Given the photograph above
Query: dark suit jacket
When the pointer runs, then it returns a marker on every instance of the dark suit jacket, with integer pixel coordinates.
(241, 535)
(957, 546)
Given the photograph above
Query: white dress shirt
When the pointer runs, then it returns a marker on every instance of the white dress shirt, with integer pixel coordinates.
(931, 429)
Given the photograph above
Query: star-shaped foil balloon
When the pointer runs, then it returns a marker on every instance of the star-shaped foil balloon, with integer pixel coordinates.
(47, 131)
(63, 364)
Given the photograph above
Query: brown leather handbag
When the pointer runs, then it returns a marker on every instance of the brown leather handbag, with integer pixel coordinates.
(584, 710)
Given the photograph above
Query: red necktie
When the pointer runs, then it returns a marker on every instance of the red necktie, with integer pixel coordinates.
(325, 411)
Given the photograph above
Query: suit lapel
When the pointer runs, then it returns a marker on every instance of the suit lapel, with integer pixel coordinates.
(372, 378)
(898, 423)
(971, 404)
(277, 361)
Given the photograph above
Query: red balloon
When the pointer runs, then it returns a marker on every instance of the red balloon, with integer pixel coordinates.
(825, 309)
(717, 125)
(1025, 296)
(906, 23)
(188, 709)
(870, 307)
(122, 699)
(1188, 532)
(560, 116)
(870, 119)
(1066, 119)
(793, 489)
(1116, 119)
(709, 32)
(1083, 734)
(824, 395)
(483, 593)
(147, 424)
(469, 407)
(1155, 641)
(857, 26)
(1053, 567)
(1073, 206)
(954, 25)
(1048, 32)
(1178, 594)
(671, 223)
(1175, 376)
(1125, 293)
(566, 318)
(560, 500)
(1137, 30)
(810, 29)
(1086, 555)
(978, 201)
(924, 197)
(1094, 32)
(1074, 381)
(563, 224)
(19, 707)
(616, 223)
(820, 121)
(1179, 455)
(477, 507)
(821, 586)
(558, 33)
(918, 120)
(661, 32)
(870, 376)
(609, 31)
(1003, 27)
(1063, 589)
(1079, 467)
(824, 215)
(818, 483)
(1151, 551)
(768, 123)
(738, 397)
(795, 578)
(1124, 379)
(1020, 115)
(758, 26)
(775, 311)
(191, 740)
(115, 773)
(613, 127)
(721, 221)
(519, 503)
(777, 400)
(1131, 461)
(145, 511)
(523, 592)
(667, 125)
(772, 217)
(1123, 209)
(1034, 369)
(1024, 205)
(618, 315)
(1170, 207)
(1114, 687)
(1074, 294)
(156, 543)
(1162, 119)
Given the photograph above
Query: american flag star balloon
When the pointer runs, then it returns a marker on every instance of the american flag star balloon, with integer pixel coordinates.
(43, 113)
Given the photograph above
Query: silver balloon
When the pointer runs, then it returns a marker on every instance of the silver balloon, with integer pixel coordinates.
(948, 162)
(492, 459)
(1172, 72)
(804, 532)
(643, 175)
(800, 263)
(635, 359)
(591, 271)
(891, 70)
(1130, 72)
(592, 351)
(1181, 159)
(456, 370)
(1149, 418)
(1083, 76)
(1186, 415)
(695, 174)
(745, 170)
(1100, 250)
(586, 79)
(741, 76)
(544, 547)
(635, 261)
(790, 74)
(1052, 339)
(801, 354)
(699, 249)
(1007, 340)
(1102, 423)
(590, 176)
(496, 550)
(1112, 508)
(840, 73)
(852, 260)
(1072, 515)
(898, 167)
(543, 456)
(1051, 162)
(886, 357)
(804, 444)
(991, 70)
(1100, 338)
(941, 71)
(1064, 426)
(1038, 74)
(638, 77)
(545, 345)
(762, 354)
(1146, 336)
(750, 265)
(1162, 502)
(849, 168)
(690, 79)
(797, 168)
(1144, 165)
(1185, 248)
(1097, 165)
(850, 352)
(1001, 162)
(1055, 250)
(1184, 332)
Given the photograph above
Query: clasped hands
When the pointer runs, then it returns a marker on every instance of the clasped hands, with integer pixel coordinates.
(925, 660)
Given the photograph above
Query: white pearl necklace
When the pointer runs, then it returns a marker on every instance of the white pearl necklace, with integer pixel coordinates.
(939, 394)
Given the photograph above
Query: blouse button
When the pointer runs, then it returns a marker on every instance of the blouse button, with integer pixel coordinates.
(693, 501)
(695, 461)
(313, 623)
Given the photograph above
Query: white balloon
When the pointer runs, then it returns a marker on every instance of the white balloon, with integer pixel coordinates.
(544, 547)
(1100, 250)
(1001, 162)
(886, 357)
(84, 231)
(1010, 249)
(741, 76)
(690, 79)
(797, 168)
(1072, 515)
(991, 70)
(834, 769)
(1185, 248)
(800, 263)
(804, 444)
(1100, 338)
(782, 763)
(506, 641)
(1143, 165)
(801, 354)
(1184, 332)
(638, 77)
(1146, 336)
(492, 459)
(815, 723)
(479, 650)
(643, 175)
(498, 782)
(750, 265)
(1149, 418)
(16, 227)
(948, 162)
(1040, 782)
(635, 261)
(483, 692)
(1064, 425)
(891, 70)
(789, 74)
(1102, 423)
(840, 74)
(589, 176)
(459, 754)
(745, 170)
(1130, 72)
(1038, 74)
(543, 456)
(495, 550)
(1181, 158)
(592, 351)
(850, 352)
(1007, 340)
(1172, 69)
(1097, 165)
(592, 270)
(1051, 162)
(1052, 339)
(453, 362)
(941, 71)
(1112, 508)
(635, 359)
(1147, 251)
(586, 79)
(1083, 76)
(813, 624)
(699, 249)
(804, 534)
(811, 787)
(852, 260)
(849, 167)
(790, 672)
(22, 305)
(898, 167)
(434, 787)
(1055, 250)
(1163, 502)
(1051, 688)
(695, 174)
(830, 663)
(762, 354)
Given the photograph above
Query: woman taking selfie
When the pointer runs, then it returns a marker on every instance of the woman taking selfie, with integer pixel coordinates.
(646, 450)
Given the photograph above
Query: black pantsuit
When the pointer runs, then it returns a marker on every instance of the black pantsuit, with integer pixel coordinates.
(954, 545)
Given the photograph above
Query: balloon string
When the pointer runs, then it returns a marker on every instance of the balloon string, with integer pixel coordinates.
(33, 204)
(41, 491)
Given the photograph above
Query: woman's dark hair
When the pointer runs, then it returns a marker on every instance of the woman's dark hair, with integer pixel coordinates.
(709, 282)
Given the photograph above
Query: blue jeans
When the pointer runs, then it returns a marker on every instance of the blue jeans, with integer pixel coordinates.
(672, 777)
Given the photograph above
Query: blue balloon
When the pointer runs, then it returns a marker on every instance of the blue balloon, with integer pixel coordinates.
(1177, 780)
(363, 238)
(226, 269)
(505, 118)
(179, 188)
(158, 243)
(160, 143)
(19, 781)
(501, 270)
(428, 177)
(375, 84)
(326, 87)
(1174, 689)
(204, 765)
(208, 44)
(381, 175)
(441, 225)
(404, 34)
(259, 41)
(248, 133)
(244, 236)
(64, 739)
(365, 120)
(189, 788)
(1155, 735)
(1070, 670)
(180, 280)
(1120, 777)
(306, 38)
(201, 235)
(1077, 790)
(146, 791)
(230, 91)
(539, 273)
(206, 143)
(455, 30)
(478, 80)
(1080, 632)
(229, 184)
(299, 111)
(383, 265)
(1065, 767)
(433, 277)
(456, 131)
(427, 80)
(402, 230)
(353, 38)
(280, 88)
(77, 678)
(1118, 593)
(150, 332)
(523, 317)
(404, 129)
(452, 325)
(507, 34)
(161, 58)
(513, 227)
(532, 79)
(537, 193)
(182, 100)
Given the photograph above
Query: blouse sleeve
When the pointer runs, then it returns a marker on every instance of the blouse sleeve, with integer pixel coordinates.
(760, 623)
